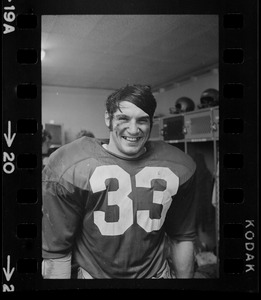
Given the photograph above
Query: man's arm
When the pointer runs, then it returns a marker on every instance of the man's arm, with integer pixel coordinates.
(180, 225)
(57, 268)
(60, 220)
(182, 258)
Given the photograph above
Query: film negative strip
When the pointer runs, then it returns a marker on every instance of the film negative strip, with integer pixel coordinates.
(237, 217)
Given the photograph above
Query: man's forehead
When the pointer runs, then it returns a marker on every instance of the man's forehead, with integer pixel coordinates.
(128, 107)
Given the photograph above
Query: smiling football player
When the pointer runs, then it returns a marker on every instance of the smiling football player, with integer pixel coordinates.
(110, 209)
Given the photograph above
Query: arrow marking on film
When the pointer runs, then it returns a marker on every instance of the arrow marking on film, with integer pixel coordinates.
(8, 273)
(9, 137)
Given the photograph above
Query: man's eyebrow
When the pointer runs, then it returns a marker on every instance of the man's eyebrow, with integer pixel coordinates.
(121, 115)
(126, 116)
(144, 118)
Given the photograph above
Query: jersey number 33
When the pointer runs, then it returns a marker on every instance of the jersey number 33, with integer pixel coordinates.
(121, 198)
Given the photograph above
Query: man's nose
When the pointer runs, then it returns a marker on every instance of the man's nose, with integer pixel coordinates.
(133, 128)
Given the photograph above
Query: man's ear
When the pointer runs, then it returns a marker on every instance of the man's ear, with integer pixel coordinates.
(107, 119)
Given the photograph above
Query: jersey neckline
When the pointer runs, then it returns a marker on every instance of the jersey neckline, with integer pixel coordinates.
(102, 144)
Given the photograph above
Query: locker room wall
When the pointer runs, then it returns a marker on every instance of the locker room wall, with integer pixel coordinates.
(80, 109)
(192, 88)
(76, 109)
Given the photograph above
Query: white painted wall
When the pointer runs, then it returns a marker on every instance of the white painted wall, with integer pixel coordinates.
(76, 109)
(80, 109)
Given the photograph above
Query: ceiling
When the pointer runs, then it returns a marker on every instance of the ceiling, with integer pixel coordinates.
(109, 51)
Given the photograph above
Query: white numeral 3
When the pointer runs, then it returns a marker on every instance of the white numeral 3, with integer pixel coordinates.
(120, 197)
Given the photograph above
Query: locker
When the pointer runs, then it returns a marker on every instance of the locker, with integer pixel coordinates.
(198, 125)
(173, 128)
(156, 132)
(215, 122)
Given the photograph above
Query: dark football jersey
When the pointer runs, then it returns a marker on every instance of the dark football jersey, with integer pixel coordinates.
(112, 212)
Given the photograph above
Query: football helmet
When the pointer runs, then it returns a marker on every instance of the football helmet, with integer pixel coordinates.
(209, 98)
(184, 104)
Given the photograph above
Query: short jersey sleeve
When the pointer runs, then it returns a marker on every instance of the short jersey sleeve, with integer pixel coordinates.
(61, 217)
(180, 223)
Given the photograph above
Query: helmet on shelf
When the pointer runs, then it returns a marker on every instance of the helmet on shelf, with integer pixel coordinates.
(209, 98)
(184, 104)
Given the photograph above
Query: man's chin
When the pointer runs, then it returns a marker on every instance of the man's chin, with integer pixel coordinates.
(132, 151)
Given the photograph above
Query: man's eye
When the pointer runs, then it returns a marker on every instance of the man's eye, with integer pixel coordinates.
(144, 121)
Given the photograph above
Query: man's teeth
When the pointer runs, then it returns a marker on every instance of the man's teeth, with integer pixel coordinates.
(131, 139)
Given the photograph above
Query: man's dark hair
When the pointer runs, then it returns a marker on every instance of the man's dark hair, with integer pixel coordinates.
(140, 95)
(84, 132)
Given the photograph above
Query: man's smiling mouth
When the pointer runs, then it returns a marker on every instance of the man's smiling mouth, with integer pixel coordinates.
(131, 139)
